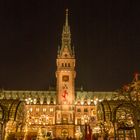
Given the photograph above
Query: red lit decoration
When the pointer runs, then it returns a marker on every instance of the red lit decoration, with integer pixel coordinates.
(65, 93)
(136, 76)
(126, 88)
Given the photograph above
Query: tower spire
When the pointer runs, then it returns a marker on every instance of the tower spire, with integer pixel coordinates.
(66, 49)
(66, 22)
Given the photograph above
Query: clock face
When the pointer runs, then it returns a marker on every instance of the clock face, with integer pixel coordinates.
(65, 78)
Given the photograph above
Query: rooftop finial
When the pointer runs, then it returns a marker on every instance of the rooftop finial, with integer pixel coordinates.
(66, 17)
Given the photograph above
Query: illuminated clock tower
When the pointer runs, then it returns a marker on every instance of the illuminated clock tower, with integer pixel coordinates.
(65, 73)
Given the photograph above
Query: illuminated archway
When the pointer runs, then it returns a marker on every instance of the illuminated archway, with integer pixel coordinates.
(64, 133)
(11, 116)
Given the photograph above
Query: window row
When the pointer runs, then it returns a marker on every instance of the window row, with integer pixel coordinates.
(44, 120)
(89, 102)
(40, 101)
(93, 111)
(41, 109)
(79, 110)
(65, 64)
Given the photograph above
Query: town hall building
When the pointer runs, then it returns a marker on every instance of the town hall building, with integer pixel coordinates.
(54, 113)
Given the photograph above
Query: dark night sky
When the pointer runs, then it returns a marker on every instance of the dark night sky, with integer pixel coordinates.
(106, 36)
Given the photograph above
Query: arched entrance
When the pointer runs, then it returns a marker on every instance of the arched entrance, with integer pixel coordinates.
(11, 117)
(64, 133)
(117, 115)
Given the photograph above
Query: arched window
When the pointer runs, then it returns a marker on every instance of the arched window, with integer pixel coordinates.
(78, 110)
(85, 110)
(51, 101)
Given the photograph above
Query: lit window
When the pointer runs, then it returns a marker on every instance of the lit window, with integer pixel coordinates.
(82, 102)
(88, 102)
(50, 121)
(34, 101)
(31, 109)
(44, 109)
(78, 121)
(36, 121)
(41, 102)
(37, 109)
(51, 109)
